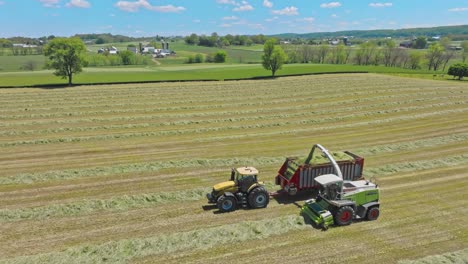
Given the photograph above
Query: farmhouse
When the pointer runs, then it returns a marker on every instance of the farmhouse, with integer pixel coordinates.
(113, 50)
(406, 44)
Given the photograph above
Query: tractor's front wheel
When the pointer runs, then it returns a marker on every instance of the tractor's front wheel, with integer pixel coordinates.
(226, 203)
(259, 198)
(373, 213)
(344, 215)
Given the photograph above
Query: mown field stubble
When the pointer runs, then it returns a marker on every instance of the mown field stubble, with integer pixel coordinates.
(118, 173)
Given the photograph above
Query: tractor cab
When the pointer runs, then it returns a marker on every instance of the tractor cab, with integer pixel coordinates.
(244, 177)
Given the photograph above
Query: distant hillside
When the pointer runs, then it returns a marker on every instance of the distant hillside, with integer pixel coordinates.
(457, 33)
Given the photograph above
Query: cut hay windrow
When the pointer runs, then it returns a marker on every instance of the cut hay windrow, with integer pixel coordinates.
(146, 200)
(242, 118)
(390, 169)
(248, 127)
(112, 204)
(107, 95)
(457, 257)
(122, 251)
(30, 178)
(212, 103)
(291, 104)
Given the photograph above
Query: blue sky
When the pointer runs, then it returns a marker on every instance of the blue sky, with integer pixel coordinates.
(37, 18)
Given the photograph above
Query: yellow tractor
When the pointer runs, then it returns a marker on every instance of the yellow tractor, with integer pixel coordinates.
(243, 189)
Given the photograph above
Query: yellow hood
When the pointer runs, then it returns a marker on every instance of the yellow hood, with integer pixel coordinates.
(224, 185)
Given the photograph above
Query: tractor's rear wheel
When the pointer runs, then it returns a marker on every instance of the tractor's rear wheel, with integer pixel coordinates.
(344, 215)
(259, 198)
(226, 203)
(373, 213)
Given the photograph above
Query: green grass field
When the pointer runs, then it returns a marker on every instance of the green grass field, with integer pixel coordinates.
(118, 173)
(209, 71)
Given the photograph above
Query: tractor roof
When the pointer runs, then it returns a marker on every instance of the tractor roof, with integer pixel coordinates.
(328, 179)
(247, 171)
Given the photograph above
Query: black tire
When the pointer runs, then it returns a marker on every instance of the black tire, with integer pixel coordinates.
(226, 203)
(344, 216)
(373, 213)
(259, 198)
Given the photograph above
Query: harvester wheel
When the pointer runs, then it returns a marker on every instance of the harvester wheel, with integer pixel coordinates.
(344, 215)
(373, 213)
(226, 203)
(259, 198)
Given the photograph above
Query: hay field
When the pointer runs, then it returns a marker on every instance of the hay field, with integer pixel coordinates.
(118, 173)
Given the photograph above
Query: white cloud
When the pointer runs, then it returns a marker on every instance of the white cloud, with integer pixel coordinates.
(271, 19)
(334, 15)
(135, 6)
(226, 2)
(168, 9)
(79, 3)
(381, 4)
(230, 18)
(225, 25)
(288, 11)
(196, 21)
(245, 7)
(458, 9)
(306, 19)
(256, 26)
(330, 5)
(267, 3)
(50, 3)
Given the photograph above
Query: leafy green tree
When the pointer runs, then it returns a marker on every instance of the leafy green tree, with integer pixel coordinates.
(273, 56)
(415, 59)
(192, 39)
(435, 56)
(127, 57)
(100, 41)
(198, 58)
(220, 56)
(464, 46)
(66, 56)
(420, 43)
(459, 70)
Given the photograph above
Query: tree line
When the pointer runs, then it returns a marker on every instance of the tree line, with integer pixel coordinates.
(214, 40)
(436, 57)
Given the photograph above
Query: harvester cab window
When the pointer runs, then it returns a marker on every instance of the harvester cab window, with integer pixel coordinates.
(333, 191)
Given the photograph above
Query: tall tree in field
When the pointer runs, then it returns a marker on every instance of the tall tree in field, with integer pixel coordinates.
(435, 56)
(464, 46)
(66, 56)
(273, 56)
